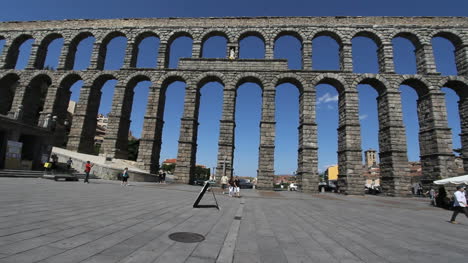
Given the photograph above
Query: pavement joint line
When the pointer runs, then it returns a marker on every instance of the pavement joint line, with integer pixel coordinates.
(226, 255)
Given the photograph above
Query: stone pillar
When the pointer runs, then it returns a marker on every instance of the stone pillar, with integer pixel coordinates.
(97, 59)
(269, 49)
(308, 146)
(5, 60)
(163, 55)
(131, 55)
(350, 177)
(435, 138)
(188, 137)
(150, 141)
(394, 170)
(49, 103)
(196, 49)
(425, 63)
(307, 55)
(266, 152)
(461, 59)
(226, 133)
(17, 104)
(346, 57)
(36, 57)
(385, 54)
(115, 143)
(463, 111)
(67, 56)
(83, 129)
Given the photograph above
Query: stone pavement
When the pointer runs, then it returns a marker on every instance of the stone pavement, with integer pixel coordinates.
(47, 221)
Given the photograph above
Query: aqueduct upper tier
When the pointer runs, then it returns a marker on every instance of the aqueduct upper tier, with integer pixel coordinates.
(35, 95)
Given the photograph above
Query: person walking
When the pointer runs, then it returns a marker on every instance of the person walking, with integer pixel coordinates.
(224, 182)
(69, 163)
(459, 204)
(125, 177)
(88, 167)
(237, 187)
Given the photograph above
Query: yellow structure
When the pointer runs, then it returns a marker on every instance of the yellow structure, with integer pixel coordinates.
(332, 172)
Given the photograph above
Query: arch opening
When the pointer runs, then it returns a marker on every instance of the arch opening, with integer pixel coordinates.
(287, 114)
(248, 112)
(34, 98)
(80, 51)
(369, 118)
(114, 53)
(404, 57)
(327, 124)
(288, 46)
(409, 97)
(325, 53)
(53, 52)
(365, 57)
(147, 52)
(20, 52)
(209, 115)
(251, 47)
(444, 55)
(214, 46)
(180, 46)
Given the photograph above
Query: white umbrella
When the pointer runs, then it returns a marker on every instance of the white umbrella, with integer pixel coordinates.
(454, 180)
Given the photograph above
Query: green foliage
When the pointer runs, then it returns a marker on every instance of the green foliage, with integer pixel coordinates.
(133, 146)
(168, 168)
(97, 149)
(202, 173)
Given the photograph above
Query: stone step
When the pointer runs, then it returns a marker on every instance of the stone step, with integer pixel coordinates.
(21, 173)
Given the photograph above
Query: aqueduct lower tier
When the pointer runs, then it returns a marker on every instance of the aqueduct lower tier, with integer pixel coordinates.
(35, 95)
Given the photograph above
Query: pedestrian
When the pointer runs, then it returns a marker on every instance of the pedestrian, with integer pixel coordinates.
(231, 187)
(459, 204)
(125, 176)
(237, 187)
(87, 170)
(164, 177)
(69, 163)
(160, 176)
(224, 182)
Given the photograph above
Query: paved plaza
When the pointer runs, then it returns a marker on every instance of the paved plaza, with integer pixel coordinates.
(47, 221)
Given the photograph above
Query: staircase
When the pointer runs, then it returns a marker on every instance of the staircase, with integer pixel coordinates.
(21, 173)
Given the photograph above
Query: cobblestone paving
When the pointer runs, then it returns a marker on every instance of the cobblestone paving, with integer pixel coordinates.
(47, 221)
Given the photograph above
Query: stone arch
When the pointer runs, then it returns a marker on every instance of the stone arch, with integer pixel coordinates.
(140, 36)
(413, 37)
(374, 36)
(176, 34)
(164, 80)
(250, 32)
(13, 51)
(379, 83)
(297, 34)
(39, 61)
(100, 78)
(452, 36)
(296, 80)
(210, 77)
(138, 76)
(457, 84)
(249, 77)
(73, 47)
(329, 33)
(332, 79)
(212, 33)
(418, 83)
(8, 85)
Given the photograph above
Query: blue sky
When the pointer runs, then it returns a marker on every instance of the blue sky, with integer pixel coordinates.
(248, 108)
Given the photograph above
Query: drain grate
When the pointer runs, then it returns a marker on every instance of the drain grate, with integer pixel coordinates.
(237, 217)
(186, 237)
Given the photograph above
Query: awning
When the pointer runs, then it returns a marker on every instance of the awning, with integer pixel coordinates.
(454, 180)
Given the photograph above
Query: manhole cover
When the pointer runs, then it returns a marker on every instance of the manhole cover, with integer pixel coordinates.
(186, 237)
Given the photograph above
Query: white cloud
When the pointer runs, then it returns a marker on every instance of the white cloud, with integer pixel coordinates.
(330, 107)
(327, 98)
(363, 117)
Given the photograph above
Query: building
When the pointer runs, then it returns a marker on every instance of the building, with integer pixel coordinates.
(332, 173)
(371, 157)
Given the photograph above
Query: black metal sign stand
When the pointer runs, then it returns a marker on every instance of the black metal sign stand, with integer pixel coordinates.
(200, 196)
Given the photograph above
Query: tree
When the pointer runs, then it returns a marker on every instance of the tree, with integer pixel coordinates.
(133, 145)
(168, 168)
(458, 151)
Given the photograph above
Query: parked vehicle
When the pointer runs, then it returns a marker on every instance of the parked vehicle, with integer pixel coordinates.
(293, 187)
(244, 184)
